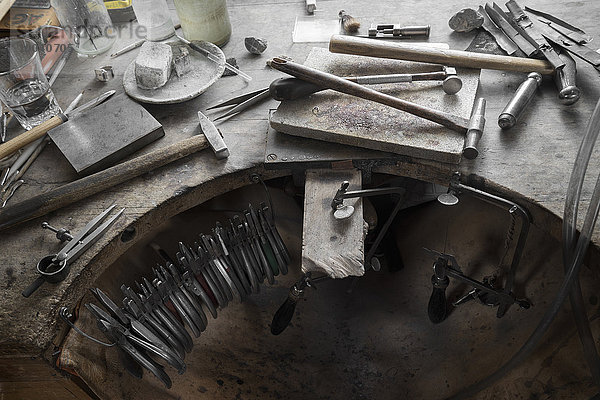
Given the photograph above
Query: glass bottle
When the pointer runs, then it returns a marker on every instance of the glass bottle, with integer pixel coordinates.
(204, 20)
(88, 24)
(154, 15)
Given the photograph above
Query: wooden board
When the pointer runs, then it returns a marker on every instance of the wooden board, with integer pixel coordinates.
(330, 246)
(19, 20)
(345, 119)
(5, 6)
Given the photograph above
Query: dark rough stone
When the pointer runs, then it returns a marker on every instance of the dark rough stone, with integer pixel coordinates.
(255, 45)
(466, 20)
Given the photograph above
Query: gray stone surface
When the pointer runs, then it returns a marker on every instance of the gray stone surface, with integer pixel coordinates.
(181, 60)
(153, 65)
(91, 142)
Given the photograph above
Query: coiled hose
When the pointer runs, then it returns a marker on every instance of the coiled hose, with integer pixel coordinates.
(573, 256)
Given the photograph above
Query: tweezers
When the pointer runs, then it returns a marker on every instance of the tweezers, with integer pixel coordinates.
(242, 102)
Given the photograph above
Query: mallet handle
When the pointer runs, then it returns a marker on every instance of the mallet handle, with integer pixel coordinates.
(30, 136)
(100, 181)
(378, 48)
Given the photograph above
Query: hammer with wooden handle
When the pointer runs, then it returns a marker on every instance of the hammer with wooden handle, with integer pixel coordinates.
(330, 81)
(456, 58)
(100, 181)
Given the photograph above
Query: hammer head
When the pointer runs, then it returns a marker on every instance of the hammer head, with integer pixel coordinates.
(452, 83)
(213, 136)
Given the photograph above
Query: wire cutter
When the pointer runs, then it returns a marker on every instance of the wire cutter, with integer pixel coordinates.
(137, 327)
(54, 268)
(131, 344)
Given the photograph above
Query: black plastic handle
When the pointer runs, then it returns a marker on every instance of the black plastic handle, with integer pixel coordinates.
(437, 307)
(292, 89)
(33, 287)
(284, 314)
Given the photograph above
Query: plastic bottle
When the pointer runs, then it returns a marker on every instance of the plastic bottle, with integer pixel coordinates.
(204, 20)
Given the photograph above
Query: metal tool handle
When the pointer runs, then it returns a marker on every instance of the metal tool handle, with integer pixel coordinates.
(518, 103)
(565, 79)
(380, 79)
(17, 143)
(476, 126)
(35, 285)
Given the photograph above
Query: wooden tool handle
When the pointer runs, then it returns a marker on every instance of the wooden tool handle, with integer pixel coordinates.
(98, 182)
(456, 58)
(330, 81)
(15, 144)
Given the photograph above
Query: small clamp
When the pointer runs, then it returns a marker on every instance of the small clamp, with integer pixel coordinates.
(104, 74)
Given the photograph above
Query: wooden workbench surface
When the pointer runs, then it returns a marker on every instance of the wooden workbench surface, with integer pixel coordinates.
(530, 163)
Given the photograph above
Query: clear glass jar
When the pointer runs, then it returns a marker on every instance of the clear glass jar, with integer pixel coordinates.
(154, 15)
(88, 24)
(204, 20)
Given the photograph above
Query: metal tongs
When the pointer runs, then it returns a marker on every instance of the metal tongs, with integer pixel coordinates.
(54, 268)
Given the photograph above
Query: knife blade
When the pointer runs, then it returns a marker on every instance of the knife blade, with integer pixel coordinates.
(500, 19)
(572, 32)
(502, 39)
(527, 25)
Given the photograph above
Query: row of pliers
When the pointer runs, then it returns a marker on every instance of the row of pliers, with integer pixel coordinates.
(227, 265)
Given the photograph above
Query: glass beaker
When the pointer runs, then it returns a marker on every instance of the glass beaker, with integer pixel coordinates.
(154, 15)
(52, 43)
(24, 88)
(204, 20)
(88, 24)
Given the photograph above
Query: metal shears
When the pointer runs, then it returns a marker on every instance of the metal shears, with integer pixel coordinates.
(54, 268)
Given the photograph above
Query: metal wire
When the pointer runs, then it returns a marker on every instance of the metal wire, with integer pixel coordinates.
(257, 178)
(64, 315)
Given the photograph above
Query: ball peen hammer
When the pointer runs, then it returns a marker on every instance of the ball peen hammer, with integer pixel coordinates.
(330, 81)
(366, 47)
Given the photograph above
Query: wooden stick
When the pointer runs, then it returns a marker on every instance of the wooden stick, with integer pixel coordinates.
(98, 182)
(342, 85)
(455, 58)
(17, 143)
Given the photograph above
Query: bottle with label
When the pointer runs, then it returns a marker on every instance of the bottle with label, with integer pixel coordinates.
(204, 20)
(154, 15)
